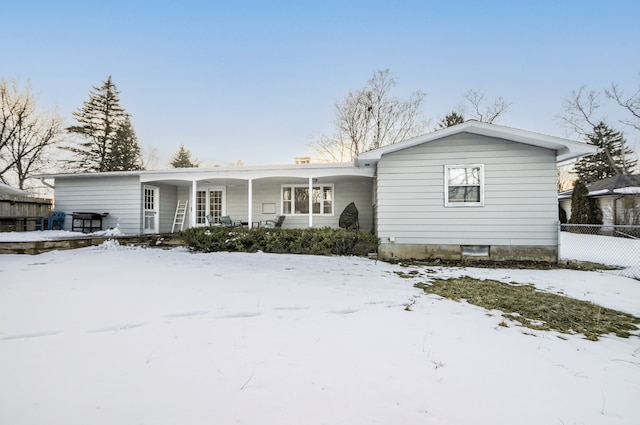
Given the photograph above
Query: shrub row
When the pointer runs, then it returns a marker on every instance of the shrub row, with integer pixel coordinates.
(325, 241)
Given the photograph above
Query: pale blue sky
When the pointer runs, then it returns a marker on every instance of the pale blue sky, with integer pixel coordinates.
(257, 81)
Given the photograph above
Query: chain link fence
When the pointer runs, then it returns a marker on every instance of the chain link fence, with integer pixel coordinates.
(617, 246)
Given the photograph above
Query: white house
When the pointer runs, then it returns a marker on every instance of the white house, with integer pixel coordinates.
(474, 189)
(618, 198)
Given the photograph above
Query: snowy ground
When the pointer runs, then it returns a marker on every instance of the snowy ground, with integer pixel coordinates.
(117, 335)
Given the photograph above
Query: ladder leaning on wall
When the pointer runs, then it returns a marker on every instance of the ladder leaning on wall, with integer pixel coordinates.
(181, 214)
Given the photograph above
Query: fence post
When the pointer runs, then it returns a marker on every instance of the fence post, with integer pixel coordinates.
(559, 229)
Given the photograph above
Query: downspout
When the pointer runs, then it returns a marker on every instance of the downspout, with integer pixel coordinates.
(310, 202)
(250, 204)
(194, 195)
(47, 184)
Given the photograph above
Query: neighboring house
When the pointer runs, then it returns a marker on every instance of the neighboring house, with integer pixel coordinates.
(618, 198)
(474, 189)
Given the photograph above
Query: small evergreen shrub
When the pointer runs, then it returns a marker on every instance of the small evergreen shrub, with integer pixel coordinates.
(325, 241)
(584, 210)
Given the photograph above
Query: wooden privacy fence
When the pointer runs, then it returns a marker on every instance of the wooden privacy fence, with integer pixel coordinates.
(19, 213)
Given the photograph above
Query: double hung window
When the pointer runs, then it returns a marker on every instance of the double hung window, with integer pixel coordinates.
(464, 185)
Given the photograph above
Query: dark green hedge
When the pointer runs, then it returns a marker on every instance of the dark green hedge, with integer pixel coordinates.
(325, 241)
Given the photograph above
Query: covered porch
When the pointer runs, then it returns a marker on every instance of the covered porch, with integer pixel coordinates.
(312, 195)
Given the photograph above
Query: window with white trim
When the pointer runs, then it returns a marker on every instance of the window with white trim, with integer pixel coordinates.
(464, 185)
(295, 199)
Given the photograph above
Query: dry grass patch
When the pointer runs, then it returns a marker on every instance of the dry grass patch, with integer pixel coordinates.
(535, 309)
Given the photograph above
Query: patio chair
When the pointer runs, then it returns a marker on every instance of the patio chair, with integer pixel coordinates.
(274, 224)
(56, 220)
(223, 220)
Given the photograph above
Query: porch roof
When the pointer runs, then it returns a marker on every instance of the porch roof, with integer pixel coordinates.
(231, 173)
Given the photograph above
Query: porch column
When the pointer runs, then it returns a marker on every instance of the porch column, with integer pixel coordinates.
(250, 204)
(194, 195)
(310, 202)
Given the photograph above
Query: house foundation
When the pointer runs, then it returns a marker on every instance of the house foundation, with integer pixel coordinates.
(391, 251)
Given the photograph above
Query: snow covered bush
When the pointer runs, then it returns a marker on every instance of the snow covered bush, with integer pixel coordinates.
(325, 241)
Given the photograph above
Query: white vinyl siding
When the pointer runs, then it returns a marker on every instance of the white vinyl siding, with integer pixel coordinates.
(520, 206)
(345, 191)
(118, 196)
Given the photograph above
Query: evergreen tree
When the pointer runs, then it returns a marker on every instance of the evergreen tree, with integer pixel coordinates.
(562, 215)
(584, 210)
(107, 140)
(182, 159)
(452, 119)
(614, 157)
(126, 154)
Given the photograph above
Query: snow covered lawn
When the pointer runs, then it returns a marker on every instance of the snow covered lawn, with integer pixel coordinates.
(117, 335)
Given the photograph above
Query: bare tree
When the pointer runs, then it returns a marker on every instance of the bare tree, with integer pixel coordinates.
(481, 109)
(582, 117)
(328, 149)
(150, 157)
(580, 110)
(631, 104)
(370, 118)
(26, 135)
(566, 177)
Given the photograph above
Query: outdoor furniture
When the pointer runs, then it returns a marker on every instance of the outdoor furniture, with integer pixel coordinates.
(223, 220)
(20, 223)
(41, 223)
(87, 222)
(56, 220)
(274, 224)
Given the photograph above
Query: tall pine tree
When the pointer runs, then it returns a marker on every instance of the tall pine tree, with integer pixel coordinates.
(613, 159)
(107, 139)
(182, 159)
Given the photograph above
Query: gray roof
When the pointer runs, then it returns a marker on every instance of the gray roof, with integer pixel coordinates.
(609, 186)
(615, 182)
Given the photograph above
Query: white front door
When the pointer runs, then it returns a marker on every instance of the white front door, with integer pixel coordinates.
(150, 209)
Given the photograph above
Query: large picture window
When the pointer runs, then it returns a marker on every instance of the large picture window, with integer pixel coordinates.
(295, 199)
(463, 185)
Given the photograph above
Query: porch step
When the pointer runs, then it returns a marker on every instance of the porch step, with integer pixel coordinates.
(181, 214)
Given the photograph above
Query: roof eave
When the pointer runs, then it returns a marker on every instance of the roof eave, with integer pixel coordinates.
(565, 149)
